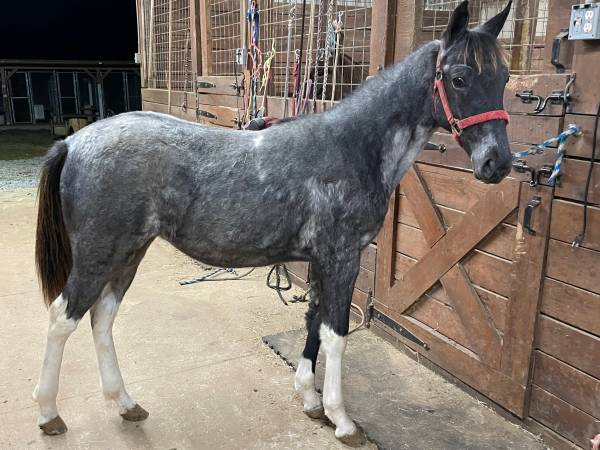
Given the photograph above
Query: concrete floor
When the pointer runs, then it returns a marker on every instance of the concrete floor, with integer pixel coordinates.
(192, 356)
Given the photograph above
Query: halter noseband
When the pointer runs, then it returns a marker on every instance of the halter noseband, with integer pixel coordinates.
(458, 125)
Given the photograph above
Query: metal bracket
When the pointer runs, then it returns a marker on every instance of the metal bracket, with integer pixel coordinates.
(520, 165)
(560, 97)
(398, 329)
(205, 85)
(544, 173)
(527, 219)
(206, 114)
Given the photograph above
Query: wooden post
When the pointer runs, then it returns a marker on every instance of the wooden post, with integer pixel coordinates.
(382, 35)
(205, 45)
(195, 12)
(525, 20)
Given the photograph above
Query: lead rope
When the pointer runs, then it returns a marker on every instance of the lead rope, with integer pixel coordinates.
(286, 86)
(561, 139)
(338, 29)
(327, 48)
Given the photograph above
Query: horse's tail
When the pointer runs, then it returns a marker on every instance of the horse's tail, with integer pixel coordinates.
(52, 246)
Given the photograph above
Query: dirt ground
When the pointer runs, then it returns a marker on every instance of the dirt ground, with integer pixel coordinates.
(21, 153)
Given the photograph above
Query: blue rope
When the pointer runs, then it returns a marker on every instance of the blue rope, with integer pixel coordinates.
(561, 139)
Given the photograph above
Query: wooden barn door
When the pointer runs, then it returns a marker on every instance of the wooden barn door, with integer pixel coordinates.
(219, 91)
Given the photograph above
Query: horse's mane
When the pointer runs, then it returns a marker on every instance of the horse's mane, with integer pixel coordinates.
(482, 51)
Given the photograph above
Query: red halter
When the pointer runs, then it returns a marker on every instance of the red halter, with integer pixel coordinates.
(458, 125)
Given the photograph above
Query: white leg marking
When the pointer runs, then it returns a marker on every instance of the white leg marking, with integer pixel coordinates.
(59, 329)
(333, 401)
(305, 384)
(103, 317)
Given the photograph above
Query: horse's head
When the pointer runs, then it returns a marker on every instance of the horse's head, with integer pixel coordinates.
(471, 74)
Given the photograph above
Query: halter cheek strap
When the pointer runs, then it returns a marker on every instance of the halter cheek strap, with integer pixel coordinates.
(458, 125)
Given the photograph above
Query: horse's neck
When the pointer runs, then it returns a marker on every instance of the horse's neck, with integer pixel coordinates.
(392, 116)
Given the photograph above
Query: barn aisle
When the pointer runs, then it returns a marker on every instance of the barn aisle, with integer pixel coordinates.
(194, 358)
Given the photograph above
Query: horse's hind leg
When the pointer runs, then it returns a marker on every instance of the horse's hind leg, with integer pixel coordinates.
(81, 291)
(305, 373)
(102, 316)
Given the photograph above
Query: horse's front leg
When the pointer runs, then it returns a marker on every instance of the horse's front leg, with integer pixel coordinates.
(337, 282)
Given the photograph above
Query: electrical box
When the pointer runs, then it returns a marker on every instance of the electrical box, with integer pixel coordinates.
(585, 22)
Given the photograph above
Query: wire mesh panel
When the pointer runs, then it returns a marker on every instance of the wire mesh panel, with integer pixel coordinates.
(167, 44)
(523, 34)
(225, 35)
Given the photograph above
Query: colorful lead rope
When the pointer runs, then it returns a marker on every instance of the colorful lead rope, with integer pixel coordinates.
(561, 139)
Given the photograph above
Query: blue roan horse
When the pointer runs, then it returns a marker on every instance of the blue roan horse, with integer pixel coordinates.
(313, 189)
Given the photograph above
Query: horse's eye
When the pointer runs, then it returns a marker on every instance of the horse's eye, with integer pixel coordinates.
(459, 82)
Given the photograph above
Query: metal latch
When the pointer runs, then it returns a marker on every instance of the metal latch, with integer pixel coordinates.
(545, 172)
(520, 165)
(205, 85)
(559, 97)
(437, 147)
(206, 114)
(527, 219)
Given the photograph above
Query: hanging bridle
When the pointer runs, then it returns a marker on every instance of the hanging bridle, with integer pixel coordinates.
(457, 126)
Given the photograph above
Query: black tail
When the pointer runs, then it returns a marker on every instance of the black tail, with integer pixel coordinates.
(52, 246)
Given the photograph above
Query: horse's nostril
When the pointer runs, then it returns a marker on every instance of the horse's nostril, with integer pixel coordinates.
(488, 168)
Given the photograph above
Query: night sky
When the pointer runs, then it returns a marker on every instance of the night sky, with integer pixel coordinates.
(68, 29)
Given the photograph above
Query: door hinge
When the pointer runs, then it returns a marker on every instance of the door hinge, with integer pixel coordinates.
(390, 323)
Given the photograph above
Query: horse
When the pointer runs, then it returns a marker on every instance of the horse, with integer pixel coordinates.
(312, 189)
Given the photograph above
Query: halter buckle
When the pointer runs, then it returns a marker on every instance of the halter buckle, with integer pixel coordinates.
(456, 129)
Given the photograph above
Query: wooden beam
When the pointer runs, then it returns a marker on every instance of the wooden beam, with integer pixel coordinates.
(382, 35)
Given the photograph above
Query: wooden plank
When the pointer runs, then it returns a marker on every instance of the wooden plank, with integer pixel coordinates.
(525, 283)
(218, 85)
(551, 438)
(187, 114)
(369, 257)
(298, 268)
(565, 419)
(559, 14)
(443, 319)
(577, 266)
(489, 272)
(162, 96)
(195, 36)
(421, 203)
(581, 146)
(385, 250)
(382, 35)
(571, 345)
(492, 208)
(573, 179)
(585, 64)
(534, 129)
(459, 363)
(205, 37)
(567, 220)
(542, 85)
(365, 280)
(571, 305)
(223, 116)
(567, 383)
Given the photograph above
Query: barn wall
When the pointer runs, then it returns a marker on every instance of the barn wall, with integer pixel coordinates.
(565, 393)
(564, 388)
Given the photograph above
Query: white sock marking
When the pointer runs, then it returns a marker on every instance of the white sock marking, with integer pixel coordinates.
(59, 330)
(103, 317)
(333, 401)
(305, 384)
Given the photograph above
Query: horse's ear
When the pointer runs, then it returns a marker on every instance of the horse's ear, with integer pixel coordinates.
(457, 25)
(495, 24)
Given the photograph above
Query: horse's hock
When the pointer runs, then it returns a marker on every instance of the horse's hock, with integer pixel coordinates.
(511, 311)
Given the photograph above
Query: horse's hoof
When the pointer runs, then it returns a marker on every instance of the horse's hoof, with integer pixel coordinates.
(317, 413)
(55, 427)
(356, 439)
(135, 414)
